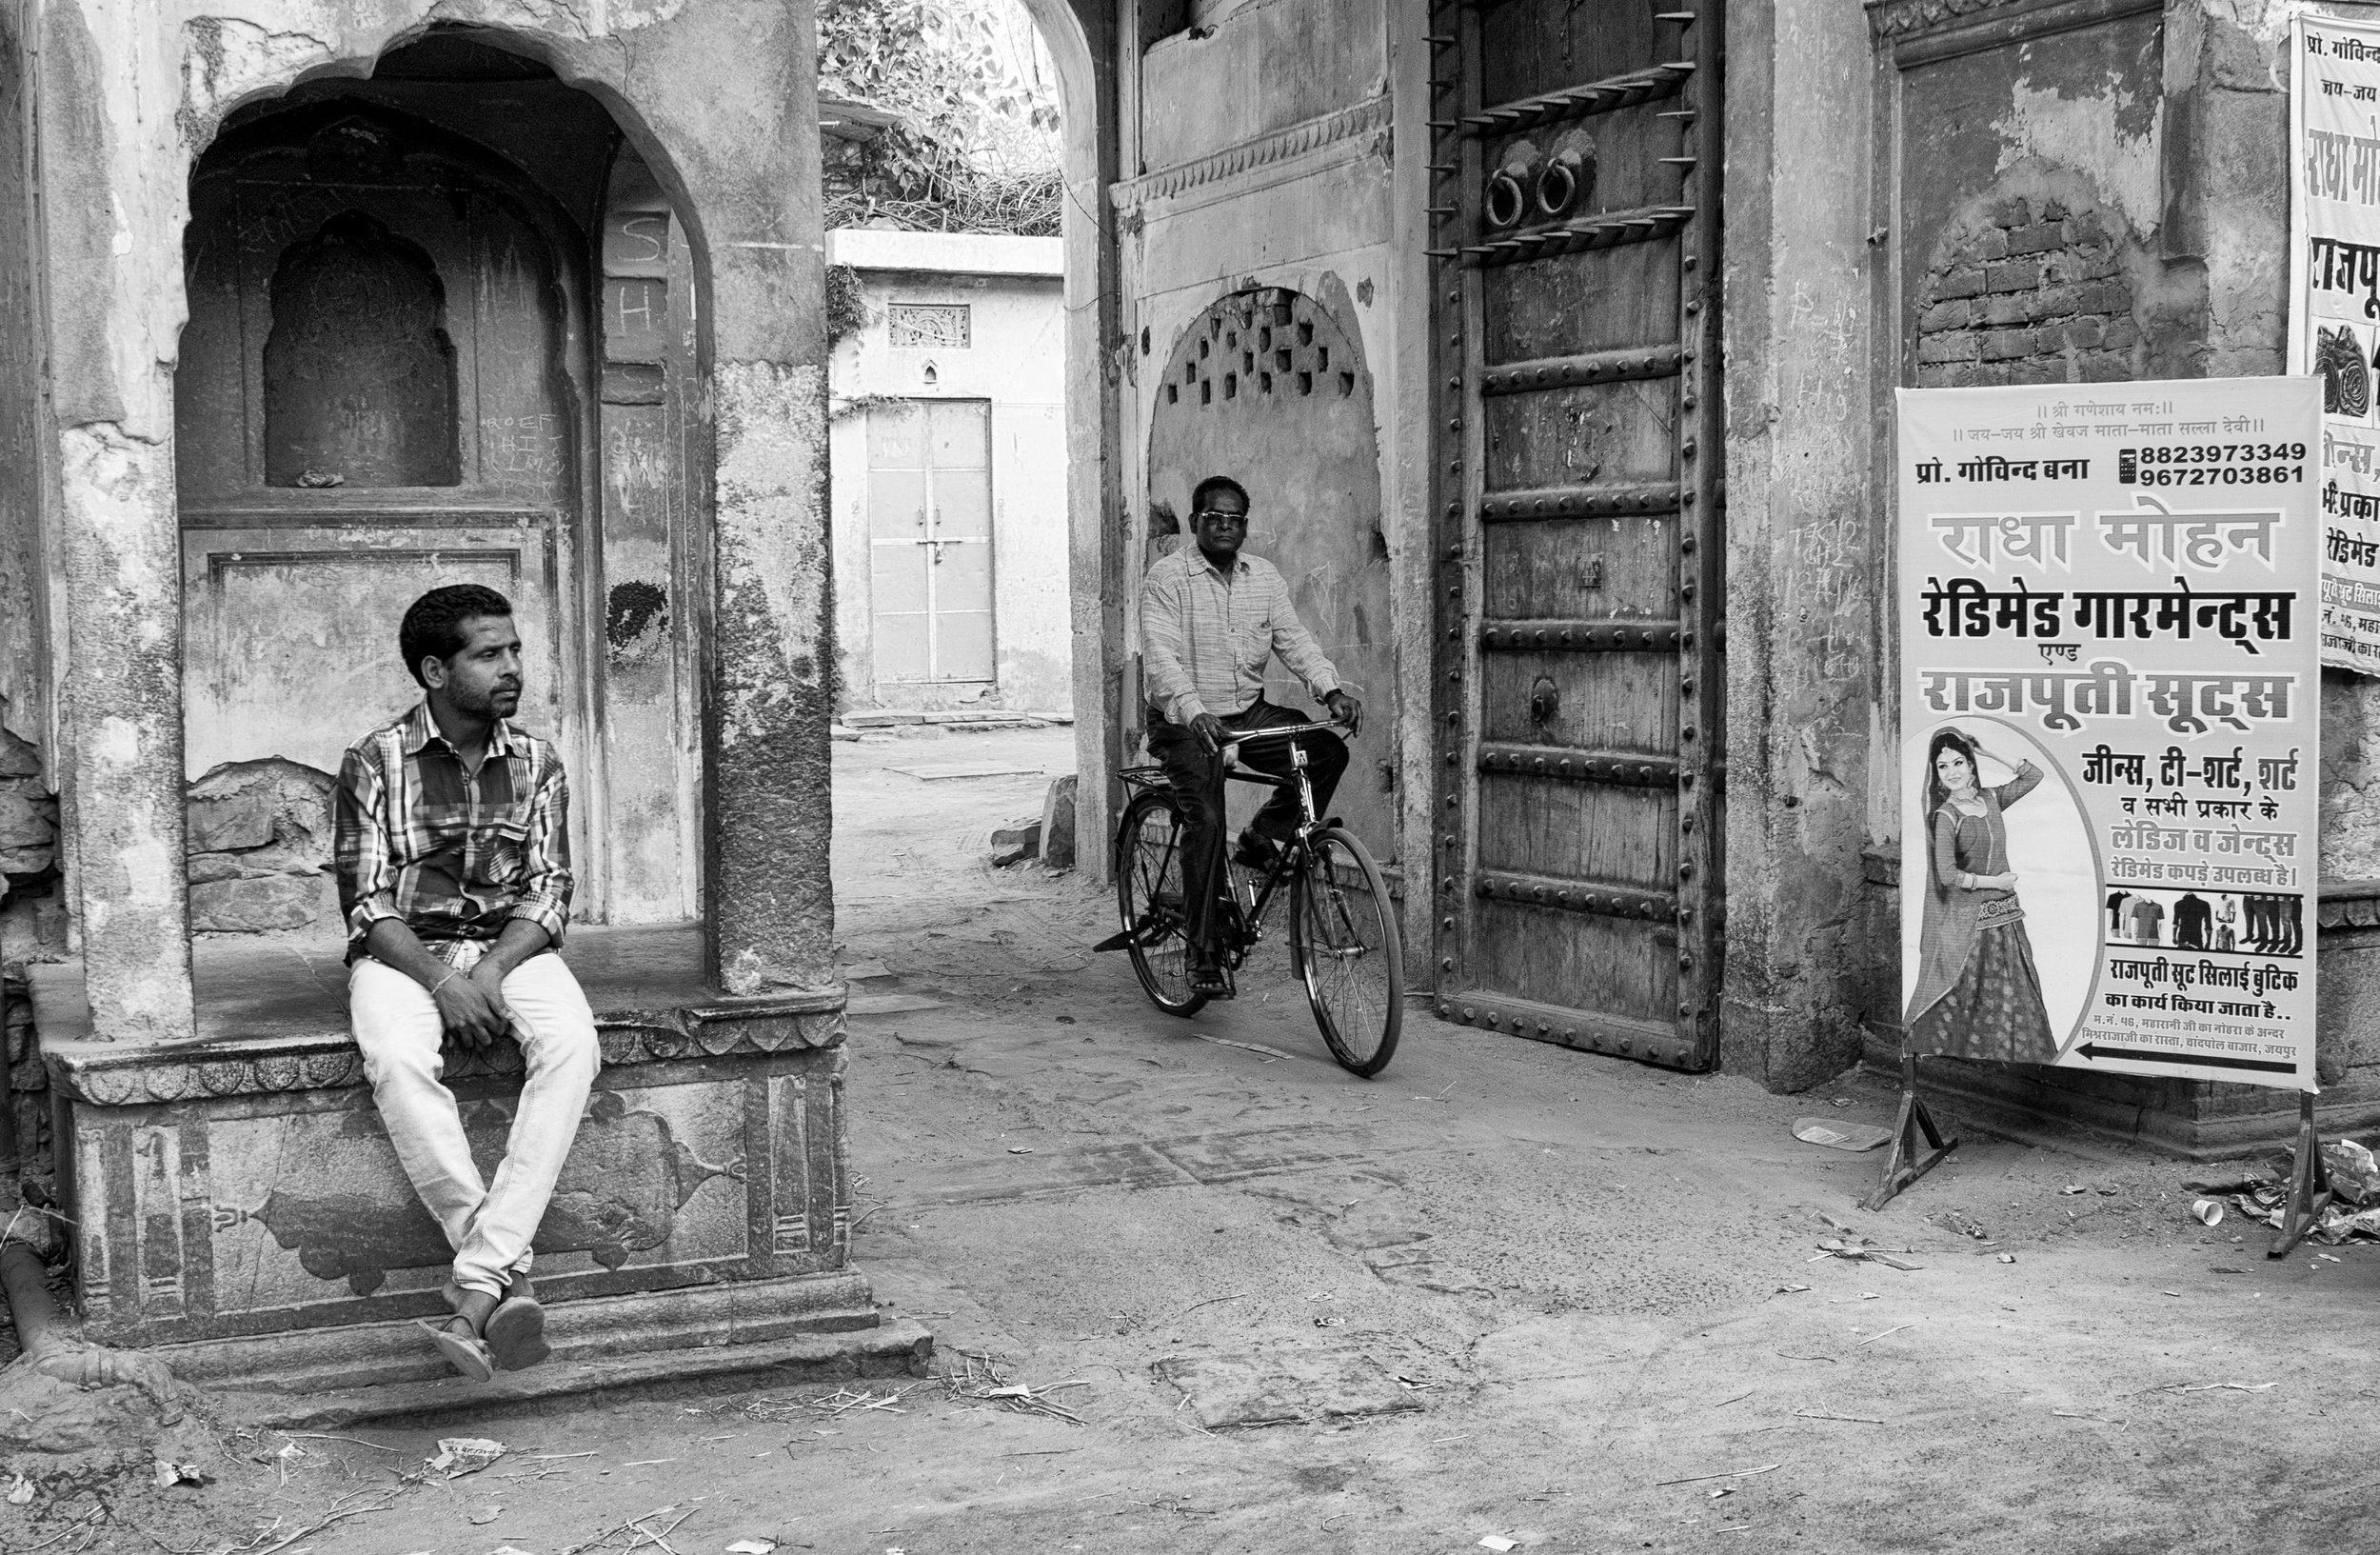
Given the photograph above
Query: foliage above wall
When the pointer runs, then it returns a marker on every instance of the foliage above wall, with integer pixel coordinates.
(965, 134)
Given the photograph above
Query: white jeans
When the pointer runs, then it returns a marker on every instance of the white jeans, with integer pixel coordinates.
(398, 1029)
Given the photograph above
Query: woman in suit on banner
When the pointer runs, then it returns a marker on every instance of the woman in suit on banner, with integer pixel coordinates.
(1978, 994)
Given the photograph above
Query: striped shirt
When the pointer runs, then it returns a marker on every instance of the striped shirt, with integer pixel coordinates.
(452, 855)
(1204, 642)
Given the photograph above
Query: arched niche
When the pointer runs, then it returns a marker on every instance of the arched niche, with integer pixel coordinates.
(430, 312)
(358, 377)
(1268, 387)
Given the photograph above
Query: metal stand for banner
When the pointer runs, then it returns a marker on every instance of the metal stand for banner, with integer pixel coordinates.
(2309, 1185)
(1907, 1162)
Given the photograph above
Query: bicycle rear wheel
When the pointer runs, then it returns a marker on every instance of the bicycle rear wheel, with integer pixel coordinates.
(1155, 907)
(1344, 944)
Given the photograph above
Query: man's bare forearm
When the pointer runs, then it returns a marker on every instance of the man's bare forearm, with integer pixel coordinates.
(393, 942)
(520, 940)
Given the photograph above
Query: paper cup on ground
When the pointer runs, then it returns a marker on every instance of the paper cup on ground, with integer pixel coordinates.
(2210, 1212)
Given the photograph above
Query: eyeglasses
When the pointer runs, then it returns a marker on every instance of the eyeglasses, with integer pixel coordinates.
(1208, 514)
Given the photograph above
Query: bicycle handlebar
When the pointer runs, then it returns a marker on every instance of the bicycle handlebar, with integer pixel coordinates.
(1285, 731)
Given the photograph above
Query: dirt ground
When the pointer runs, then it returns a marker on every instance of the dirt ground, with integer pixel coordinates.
(1572, 1302)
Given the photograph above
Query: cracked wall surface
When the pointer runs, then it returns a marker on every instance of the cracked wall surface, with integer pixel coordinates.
(719, 98)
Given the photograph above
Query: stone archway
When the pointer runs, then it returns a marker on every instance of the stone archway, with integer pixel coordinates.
(1267, 386)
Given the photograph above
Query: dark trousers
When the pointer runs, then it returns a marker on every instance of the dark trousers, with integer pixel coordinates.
(1197, 784)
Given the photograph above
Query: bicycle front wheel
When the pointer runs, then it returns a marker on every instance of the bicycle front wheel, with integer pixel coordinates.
(1154, 905)
(1344, 944)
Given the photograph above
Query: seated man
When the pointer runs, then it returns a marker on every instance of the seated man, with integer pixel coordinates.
(1211, 620)
(454, 874)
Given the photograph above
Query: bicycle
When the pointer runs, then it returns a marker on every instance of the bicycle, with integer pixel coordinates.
(1343, 940)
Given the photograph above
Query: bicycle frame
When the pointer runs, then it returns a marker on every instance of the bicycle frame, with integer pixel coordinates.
(1291, 856)
(1343, 943)
(1244, 925)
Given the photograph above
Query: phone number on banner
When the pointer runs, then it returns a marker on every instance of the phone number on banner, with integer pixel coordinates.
(2212, 463)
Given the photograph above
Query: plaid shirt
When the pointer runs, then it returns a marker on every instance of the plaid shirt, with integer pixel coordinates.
(455, 857)
(1204, 642)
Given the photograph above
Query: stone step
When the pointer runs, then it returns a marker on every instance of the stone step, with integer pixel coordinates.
(898, 1348)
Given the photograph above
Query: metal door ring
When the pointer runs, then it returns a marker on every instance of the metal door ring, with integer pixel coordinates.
(1507, 202)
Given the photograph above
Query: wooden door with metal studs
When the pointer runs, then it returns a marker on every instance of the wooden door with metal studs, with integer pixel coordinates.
(1574, 230)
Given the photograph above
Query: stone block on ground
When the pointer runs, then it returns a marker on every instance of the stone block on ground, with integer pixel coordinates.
(1273, 1385)
(1015, 843)
(881, 718)
(1058, 841)
(843, 732)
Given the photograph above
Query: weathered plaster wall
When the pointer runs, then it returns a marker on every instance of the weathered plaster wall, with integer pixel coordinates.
(1246, 70)
(720, 98)
(24, 664)
(2029, 245)
(1082, 37)
(1016, 361)
(1272, 154)
(1804, 661)
(31, 926)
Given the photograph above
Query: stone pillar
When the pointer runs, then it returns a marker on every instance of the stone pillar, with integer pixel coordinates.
(114, 256)
(1081, 38)
(1806, 651)
(769, 902)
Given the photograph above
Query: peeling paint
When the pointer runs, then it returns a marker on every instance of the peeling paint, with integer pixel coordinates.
(773, 561)
(116, 742)
(2086, 133)
(228, 60)
(121, 692)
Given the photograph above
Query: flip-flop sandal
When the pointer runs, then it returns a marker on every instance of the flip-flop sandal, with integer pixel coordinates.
(516, 1333)
(464, 1351)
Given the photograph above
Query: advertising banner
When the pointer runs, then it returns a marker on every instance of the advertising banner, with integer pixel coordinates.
(2109, 696)
(2334, 310)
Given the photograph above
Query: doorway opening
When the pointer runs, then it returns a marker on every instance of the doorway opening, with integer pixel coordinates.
(944, 196)
(955, 369)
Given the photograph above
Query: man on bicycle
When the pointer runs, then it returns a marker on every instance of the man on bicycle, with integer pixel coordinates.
(1211, 619)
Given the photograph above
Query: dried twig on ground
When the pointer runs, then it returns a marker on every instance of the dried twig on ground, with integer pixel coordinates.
(326, 1436)
(776, 1411)
(88, 1523)
(982, 1382)
(340, 1513)
(636, 1525)
(1728, 1474)
(1821, 1414)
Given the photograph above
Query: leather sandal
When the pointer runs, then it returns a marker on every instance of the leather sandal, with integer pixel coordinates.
(516, 1329)
(1256, 851)
(463, 1348)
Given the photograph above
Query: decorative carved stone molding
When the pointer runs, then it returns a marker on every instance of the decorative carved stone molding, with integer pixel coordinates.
(2349, 904)
(1299, 139)
(330, 1061)
(1891, 21)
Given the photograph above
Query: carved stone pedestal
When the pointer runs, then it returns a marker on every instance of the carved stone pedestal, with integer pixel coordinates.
(237, 1200)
